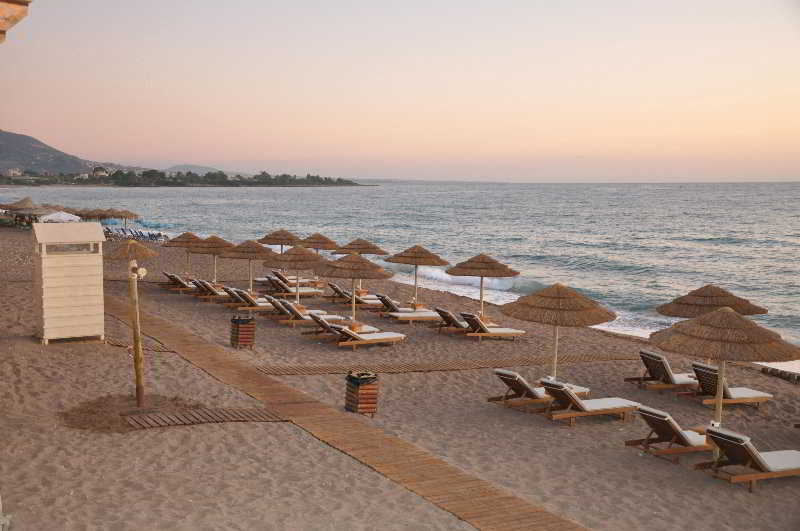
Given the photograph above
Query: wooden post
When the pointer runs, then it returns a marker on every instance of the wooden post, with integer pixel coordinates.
(718, 402)
(555, 351)
(353, 298)
(250, 265)
(297, 288)
(415, 283)
(215, 267)
(481, 297)
(138, 356)
(188, 262)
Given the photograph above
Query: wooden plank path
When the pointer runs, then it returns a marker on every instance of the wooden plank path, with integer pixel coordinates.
(188, 417)
(448, 365)
(468, 497)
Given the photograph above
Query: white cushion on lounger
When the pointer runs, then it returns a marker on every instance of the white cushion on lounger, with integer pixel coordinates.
(414, 314)
(781, 460)
(261, 279)
(694, 438)
(366, 329)
(505, 331)
(381, 335)
(327, 317)
(684, 378)
(264, 304)
(607, 403)
(744, 392)
(541, 393)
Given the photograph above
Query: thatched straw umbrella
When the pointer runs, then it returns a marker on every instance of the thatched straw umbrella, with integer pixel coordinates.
(483, 266)
(724, 335)
(25, 202)
(213, 245)
(248, 250)
(707, 299)
(280, 237)
(360, 246)
(417, 256)
(125, 215)
(558, 305)
(319, 241)
(298, 259)
(186, 240)
(354, 267)
(133, 251)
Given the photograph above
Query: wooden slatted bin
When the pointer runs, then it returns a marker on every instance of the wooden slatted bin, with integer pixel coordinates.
(361, 395)
(243, 332)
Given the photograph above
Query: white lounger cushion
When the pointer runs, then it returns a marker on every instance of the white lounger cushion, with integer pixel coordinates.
(781, 460)
(541, 393)
(414, 314)
(381, 335)
(505, 331)
(307, 317)
(366, 329)
(684, 378)
(305, 290)
(744, 392)
(694, 438)
(597, 404)
(263, 304)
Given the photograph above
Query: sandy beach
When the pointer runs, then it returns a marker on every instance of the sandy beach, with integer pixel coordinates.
(68, 461)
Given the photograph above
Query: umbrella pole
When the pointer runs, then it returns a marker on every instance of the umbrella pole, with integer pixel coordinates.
(188, 262)
(481, 297)
(297, 288)
(718, 402)
(250, 267)
(555, 351)
(215, 268)
(415, 283)
(138, 357)
(353, 299)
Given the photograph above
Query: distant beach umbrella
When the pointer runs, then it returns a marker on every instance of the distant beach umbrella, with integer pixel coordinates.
(213, 245)
(361, 247)
(724, 335)
(417, 256)
(319, 241)
(482, 266)
(707, 299)
(133, 252)
(25, 202)
(353, 267)
(248, 250)
(186, 240)
(298, 259)
(558, 306)
(280, 237)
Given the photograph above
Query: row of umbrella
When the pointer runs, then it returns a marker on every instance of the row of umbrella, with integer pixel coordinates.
(27, 207)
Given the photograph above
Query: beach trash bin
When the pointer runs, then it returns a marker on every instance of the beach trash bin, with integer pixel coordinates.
(361, 395)
(243, 332)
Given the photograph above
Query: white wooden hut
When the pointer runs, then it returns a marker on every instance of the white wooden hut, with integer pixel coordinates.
(68, 280)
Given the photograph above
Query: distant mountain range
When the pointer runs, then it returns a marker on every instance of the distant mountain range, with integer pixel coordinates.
(27, 153)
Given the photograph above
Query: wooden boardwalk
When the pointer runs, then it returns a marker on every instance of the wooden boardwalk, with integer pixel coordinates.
(449, 365)
(188, 417)
(469, 498)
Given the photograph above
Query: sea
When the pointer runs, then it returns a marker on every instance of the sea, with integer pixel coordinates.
(631, 247)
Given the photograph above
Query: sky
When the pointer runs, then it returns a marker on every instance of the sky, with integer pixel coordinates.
(532, 90)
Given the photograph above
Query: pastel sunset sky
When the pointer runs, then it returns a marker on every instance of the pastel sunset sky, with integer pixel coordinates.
(530, 90)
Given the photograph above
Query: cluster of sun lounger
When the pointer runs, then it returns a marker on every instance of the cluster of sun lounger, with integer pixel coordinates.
(666, 439)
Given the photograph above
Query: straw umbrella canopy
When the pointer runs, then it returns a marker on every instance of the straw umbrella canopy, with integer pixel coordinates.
(298, 259)
(133, 251)
(25, 202)
(417, 256)
(319, 241)
(187, 240)
(360, 246)
(558, 305)
(280, 237)
(248, 250)
(483, 266)
(354, 266)
(213, 245)
(707, 299)
(724, 335)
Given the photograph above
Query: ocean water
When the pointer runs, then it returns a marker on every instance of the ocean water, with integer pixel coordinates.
(629, 246)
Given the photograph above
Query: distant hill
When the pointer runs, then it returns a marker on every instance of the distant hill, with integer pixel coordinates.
(27, 153)
(185, 168)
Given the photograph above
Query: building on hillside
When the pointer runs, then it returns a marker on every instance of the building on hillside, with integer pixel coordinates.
(12, 172)
(99, 171)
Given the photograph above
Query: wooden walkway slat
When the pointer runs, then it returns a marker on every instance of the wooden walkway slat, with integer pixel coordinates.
(476, 501)
(185, 417)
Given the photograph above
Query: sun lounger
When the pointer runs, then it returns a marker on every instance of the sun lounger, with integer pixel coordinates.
(182, 286)
(296, 317)
(413, 317)
(253, 304)
(172, 282)
(567, 405)
(707, 389)
(340, 295)
(664, 429)
(451, 323)
(209, 291)
(324, 327)
(521, 394)
(479, 329)
(357, 339)
(390, 305)
(658, 374)
(291, 281)
(737, 450)
(283, 291)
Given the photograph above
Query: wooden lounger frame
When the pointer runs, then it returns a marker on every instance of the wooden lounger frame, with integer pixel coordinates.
(493, 335)
(645, 445)
(710, 399)
(654, 376)
(751, 478)
(360, 342)
(572, 415)
(515, 400)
